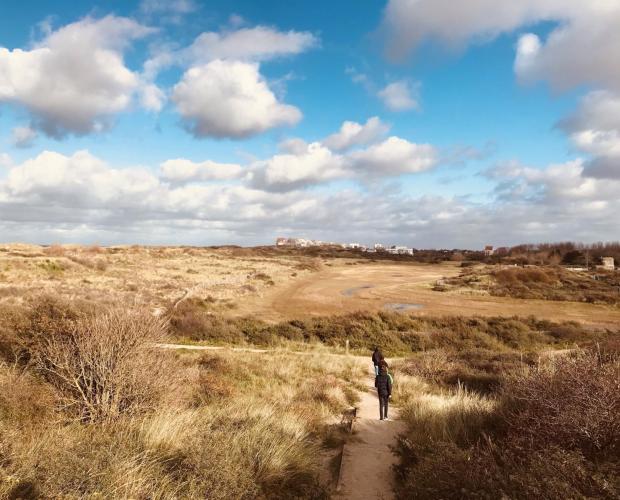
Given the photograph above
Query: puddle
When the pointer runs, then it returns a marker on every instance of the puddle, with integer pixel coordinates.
(349, 292)
(397, 306)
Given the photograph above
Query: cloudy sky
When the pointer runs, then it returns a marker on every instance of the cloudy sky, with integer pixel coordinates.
(430, 123)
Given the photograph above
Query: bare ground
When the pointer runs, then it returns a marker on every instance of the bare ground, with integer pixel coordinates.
(345, 288)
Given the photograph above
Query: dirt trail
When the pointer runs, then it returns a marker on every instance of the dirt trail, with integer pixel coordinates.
(366, 471)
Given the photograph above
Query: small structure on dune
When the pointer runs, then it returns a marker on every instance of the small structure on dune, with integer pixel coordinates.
(488, 250)
(608, 264)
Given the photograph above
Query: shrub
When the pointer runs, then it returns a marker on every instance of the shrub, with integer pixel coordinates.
(102, 366)
(554, 434)
(55, 251)
(574, 403)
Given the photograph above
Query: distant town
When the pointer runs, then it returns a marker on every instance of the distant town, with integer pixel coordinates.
(604, 262)
(377, 247)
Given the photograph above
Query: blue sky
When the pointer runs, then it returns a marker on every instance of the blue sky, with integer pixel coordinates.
(409, 121)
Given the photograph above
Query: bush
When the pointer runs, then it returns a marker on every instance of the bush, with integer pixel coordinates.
(574, 403)
(554, 434)
(102, 366)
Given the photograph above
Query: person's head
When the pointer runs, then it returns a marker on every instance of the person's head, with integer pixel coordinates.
(383, 370)
(376, 348)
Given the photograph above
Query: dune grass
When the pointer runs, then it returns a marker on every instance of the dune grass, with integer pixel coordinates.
(73, 423)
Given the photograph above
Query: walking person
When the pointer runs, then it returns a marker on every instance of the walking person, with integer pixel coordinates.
(376, 358)
(383, 384)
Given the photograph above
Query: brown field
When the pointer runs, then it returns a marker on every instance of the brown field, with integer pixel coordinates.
(495, 393)
(325, 293)
(236, 282)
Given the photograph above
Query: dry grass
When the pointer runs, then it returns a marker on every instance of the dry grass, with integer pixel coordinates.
(151, 277)
(543, 282)
(225, 425)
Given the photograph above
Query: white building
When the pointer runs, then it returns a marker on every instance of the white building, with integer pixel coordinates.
(608, 264)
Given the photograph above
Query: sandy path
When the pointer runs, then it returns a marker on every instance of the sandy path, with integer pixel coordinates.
(366, 471)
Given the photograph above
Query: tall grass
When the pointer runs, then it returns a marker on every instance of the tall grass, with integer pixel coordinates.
(223, 425)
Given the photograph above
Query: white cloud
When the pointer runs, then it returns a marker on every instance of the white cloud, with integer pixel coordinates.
(408, 23)
(575, 53)
(80, 180)
(284, 172)
(54, 197)
(75, 80)
(256, 44)
(595, 129)
(354, 134)
(394, 156)
(23, 137)
(579, 49)
(399, 96)
(152, 97)
(260, 43)
(5, 160)
(182, 170)
(229, 99)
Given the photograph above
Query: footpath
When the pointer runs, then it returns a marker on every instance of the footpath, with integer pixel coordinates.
(367, 460)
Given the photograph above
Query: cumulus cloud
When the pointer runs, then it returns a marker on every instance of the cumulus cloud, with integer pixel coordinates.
(408, 23)
(23, 137)
(394, 156)
(575, 53)
(284, 172)
(595, 129)
(355, 134)
(78, 181)
(579, 49)
(259, 43)
(74, 80)
(223, 75)
(80, 197)
(399, 96)
(230, 99)
(182, 170)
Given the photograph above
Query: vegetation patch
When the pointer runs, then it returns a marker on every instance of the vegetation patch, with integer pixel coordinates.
(546, 283)
(551, 431)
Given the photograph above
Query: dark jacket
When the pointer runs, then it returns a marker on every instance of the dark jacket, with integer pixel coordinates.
(376, 357)
(383, 384)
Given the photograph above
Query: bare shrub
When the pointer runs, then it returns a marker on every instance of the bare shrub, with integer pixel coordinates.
(55, 251)
(94, 249)
(574, 403)
(103, 366)
(555, 434)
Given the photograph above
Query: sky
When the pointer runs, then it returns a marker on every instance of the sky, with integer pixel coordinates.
(426, 123)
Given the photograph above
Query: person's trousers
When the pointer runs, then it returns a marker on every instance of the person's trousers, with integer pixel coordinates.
(383, 406)
(376, 369)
